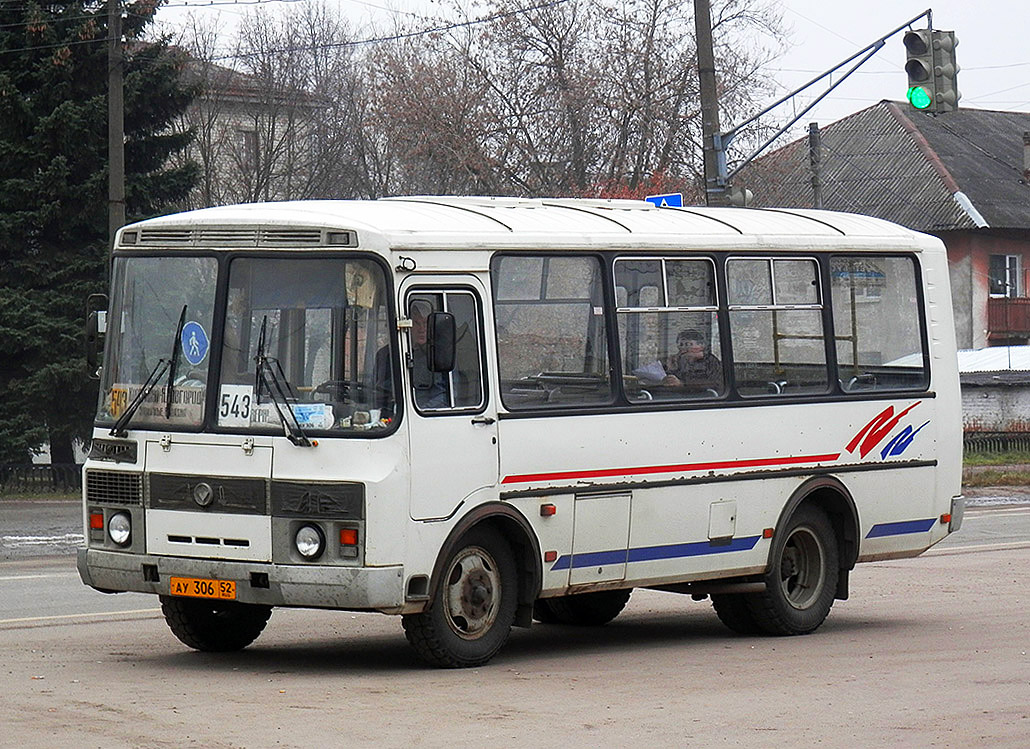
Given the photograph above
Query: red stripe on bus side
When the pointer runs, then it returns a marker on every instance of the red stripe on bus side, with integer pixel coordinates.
(611, 472)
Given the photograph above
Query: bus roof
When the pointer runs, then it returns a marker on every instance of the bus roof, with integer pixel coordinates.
(501, 222)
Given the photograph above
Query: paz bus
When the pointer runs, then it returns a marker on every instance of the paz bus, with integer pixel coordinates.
(479, 412)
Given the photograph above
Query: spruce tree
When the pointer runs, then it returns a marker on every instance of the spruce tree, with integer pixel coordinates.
(53, 198)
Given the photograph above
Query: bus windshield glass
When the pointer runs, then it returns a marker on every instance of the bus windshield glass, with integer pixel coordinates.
(308, 335)
(162, 310)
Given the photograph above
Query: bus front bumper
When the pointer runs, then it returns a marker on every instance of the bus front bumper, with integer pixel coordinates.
(351, 588)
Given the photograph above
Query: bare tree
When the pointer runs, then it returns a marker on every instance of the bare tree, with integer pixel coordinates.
(578, 97)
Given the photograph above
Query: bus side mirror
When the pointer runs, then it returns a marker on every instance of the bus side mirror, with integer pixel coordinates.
(96, 329)
(440, 341)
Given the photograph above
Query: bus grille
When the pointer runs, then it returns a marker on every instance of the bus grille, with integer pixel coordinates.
(232, 237)
(118, 487)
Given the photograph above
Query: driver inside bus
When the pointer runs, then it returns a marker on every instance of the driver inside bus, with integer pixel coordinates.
(430, 387)
(695, 367)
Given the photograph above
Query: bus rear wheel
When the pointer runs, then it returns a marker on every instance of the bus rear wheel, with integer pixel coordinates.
(214, 626)
(472, 611)
(733, 611)
(585, 609)
(802, 577)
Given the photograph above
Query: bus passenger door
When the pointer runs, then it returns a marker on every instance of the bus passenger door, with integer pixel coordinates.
(452, 424)
(600, 538)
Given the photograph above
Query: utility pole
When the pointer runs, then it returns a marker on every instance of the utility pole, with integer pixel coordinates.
(115, 125)
(715, 193)
(815, 159)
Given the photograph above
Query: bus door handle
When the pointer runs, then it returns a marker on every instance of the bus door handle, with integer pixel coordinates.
(485, 420)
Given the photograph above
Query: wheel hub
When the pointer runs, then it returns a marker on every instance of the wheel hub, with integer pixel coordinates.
(476, 594)
(472, 594)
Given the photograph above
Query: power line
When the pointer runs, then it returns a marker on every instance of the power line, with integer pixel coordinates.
(216, 3)
(397, 37)
(334, 45)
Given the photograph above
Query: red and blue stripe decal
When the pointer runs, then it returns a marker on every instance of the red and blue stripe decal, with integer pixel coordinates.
(865, 440)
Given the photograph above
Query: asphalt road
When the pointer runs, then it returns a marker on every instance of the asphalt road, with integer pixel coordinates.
(930, 651)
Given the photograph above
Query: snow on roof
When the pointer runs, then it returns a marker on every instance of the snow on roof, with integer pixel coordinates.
(994, 359)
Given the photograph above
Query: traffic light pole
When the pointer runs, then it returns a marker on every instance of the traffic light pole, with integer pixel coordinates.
(714, 153)
(717, 184)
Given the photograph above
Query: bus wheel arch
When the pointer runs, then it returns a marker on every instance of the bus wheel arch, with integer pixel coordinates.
(485, 580)
(831, 496)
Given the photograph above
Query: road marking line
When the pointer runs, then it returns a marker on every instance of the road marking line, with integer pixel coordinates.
(979, 547)
(67, 538)
(987, 512)
(37, 577)
(58, 617)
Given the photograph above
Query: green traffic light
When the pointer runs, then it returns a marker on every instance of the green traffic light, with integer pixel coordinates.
(919, 97)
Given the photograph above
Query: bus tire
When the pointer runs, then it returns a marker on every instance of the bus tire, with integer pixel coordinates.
(733, 611)
(214, 626)
(473, 608)
(802, 576)
(584, 609)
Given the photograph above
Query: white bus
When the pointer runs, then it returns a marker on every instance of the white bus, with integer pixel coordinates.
(477, 412)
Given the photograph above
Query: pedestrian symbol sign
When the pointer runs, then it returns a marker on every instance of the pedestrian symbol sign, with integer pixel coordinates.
(673, 200)
(194, 342)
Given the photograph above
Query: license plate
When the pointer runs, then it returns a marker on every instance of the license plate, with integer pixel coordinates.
(198, 587)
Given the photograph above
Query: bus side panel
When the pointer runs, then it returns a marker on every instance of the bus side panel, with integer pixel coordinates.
(681, 467)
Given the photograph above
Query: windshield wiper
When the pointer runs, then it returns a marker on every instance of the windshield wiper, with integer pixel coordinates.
(174, 364)
(162, 366)
(278, 387)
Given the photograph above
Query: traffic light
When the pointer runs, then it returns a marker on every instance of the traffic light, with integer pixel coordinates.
(919, 66)
(932, 70)
(945, 71)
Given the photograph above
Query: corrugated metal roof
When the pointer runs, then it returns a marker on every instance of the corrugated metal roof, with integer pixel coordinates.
(994, 359)
(887, 161)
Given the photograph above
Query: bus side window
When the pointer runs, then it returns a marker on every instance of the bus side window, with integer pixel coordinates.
(776, 326)
(876, 323)
(461, 388)
(667, 315)
(551, 331)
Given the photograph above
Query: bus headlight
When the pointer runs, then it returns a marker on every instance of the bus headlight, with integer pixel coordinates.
(310, 541)
(119, 528)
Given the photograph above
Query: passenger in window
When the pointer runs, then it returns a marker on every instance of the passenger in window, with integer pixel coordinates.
(695, 367)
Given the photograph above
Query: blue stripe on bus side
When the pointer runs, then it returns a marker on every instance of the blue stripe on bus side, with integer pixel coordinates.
(651, 553)
(897, 529)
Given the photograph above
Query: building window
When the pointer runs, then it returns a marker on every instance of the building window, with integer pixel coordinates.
(1004, 275)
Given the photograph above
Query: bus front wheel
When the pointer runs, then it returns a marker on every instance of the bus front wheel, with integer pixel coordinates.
(473, 609)
(214, 626)
(802, 577)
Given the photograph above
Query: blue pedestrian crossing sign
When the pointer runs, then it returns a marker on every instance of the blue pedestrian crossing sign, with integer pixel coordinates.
(195, 342)
(673, 200)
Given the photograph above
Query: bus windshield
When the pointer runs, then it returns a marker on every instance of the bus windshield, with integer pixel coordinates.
(305, 345)
(307, 335)
(162, 310)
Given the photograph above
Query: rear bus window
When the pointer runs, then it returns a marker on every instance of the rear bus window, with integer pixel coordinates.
(876, 322)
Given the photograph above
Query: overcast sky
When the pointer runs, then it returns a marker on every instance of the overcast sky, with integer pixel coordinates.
(993, 50)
